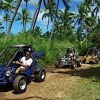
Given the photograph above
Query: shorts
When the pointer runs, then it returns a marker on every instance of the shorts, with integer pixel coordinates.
(23, 68)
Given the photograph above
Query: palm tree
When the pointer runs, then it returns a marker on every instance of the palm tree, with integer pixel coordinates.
(50, 11)
(14, 15)
(85, 21)
(57, 7)
(6, 18)
(7, 5)
(62, 27)
(36, 12)
(34, 19)
(65, 2)
(97, 9)
(24, 18)
(26, 1)
(94, 7)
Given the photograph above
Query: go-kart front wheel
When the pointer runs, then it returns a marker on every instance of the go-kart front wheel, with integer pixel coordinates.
(79, 64)
(20, 84)
(40, 77)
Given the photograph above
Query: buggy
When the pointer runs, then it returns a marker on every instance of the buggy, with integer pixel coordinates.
(69, 59)
(7, 67)
(92, 56)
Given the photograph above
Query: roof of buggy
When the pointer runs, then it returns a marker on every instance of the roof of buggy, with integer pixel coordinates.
(19, 46)
(69, 48)
(93, 48)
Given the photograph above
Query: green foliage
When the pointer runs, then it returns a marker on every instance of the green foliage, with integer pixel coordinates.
(52, 48)
(80, 30)
(95, 38)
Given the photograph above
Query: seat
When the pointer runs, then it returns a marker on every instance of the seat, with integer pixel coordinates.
(30, 69)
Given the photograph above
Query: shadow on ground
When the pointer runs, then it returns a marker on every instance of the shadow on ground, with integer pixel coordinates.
(6, 88)
(34, 98)
(91, 72)
(52, 68)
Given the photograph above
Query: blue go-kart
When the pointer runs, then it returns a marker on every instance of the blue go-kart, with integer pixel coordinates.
(7, 67)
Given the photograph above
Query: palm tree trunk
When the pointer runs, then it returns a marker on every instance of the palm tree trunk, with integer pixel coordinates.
(57, 7)
(6, 25)
(25, 16)
(23, 25)
(48, 23)
(44, 3)
(65, 2)
(14, 15)
(57, 12)
(26, 5)
(35, 16)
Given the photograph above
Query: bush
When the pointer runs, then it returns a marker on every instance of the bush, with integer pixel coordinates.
(52, 49)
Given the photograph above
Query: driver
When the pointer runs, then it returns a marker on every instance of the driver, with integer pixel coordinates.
(24, 62)
(71, 54)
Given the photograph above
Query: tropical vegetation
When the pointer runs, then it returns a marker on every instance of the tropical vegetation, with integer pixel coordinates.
(79, 29)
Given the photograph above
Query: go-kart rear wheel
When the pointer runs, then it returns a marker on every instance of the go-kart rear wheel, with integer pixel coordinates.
(57, 65)
(73, 65)
(40, 77)
(97, 60)
(20, 84)
(79, 64)
(84, 61)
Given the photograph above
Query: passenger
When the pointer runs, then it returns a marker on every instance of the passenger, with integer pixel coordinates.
(71, 54)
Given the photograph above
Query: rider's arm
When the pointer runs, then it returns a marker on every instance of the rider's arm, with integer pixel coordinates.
(28, 63)
(24, 65)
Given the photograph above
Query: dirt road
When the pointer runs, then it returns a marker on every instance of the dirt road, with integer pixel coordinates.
(59, 85)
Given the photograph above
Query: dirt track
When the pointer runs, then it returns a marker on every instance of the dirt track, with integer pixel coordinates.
(58, 83)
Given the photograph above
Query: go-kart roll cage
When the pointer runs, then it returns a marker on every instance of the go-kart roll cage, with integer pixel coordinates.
(17, 50)
(68, 49)
(91, 49)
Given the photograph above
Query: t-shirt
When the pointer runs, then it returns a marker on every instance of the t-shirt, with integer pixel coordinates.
(27, 62)
(71, 54)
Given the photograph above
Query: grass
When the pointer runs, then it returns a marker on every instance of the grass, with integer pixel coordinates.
(87, 86)
(87, 81)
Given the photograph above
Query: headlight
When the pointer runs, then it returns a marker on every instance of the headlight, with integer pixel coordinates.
(8, 73)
